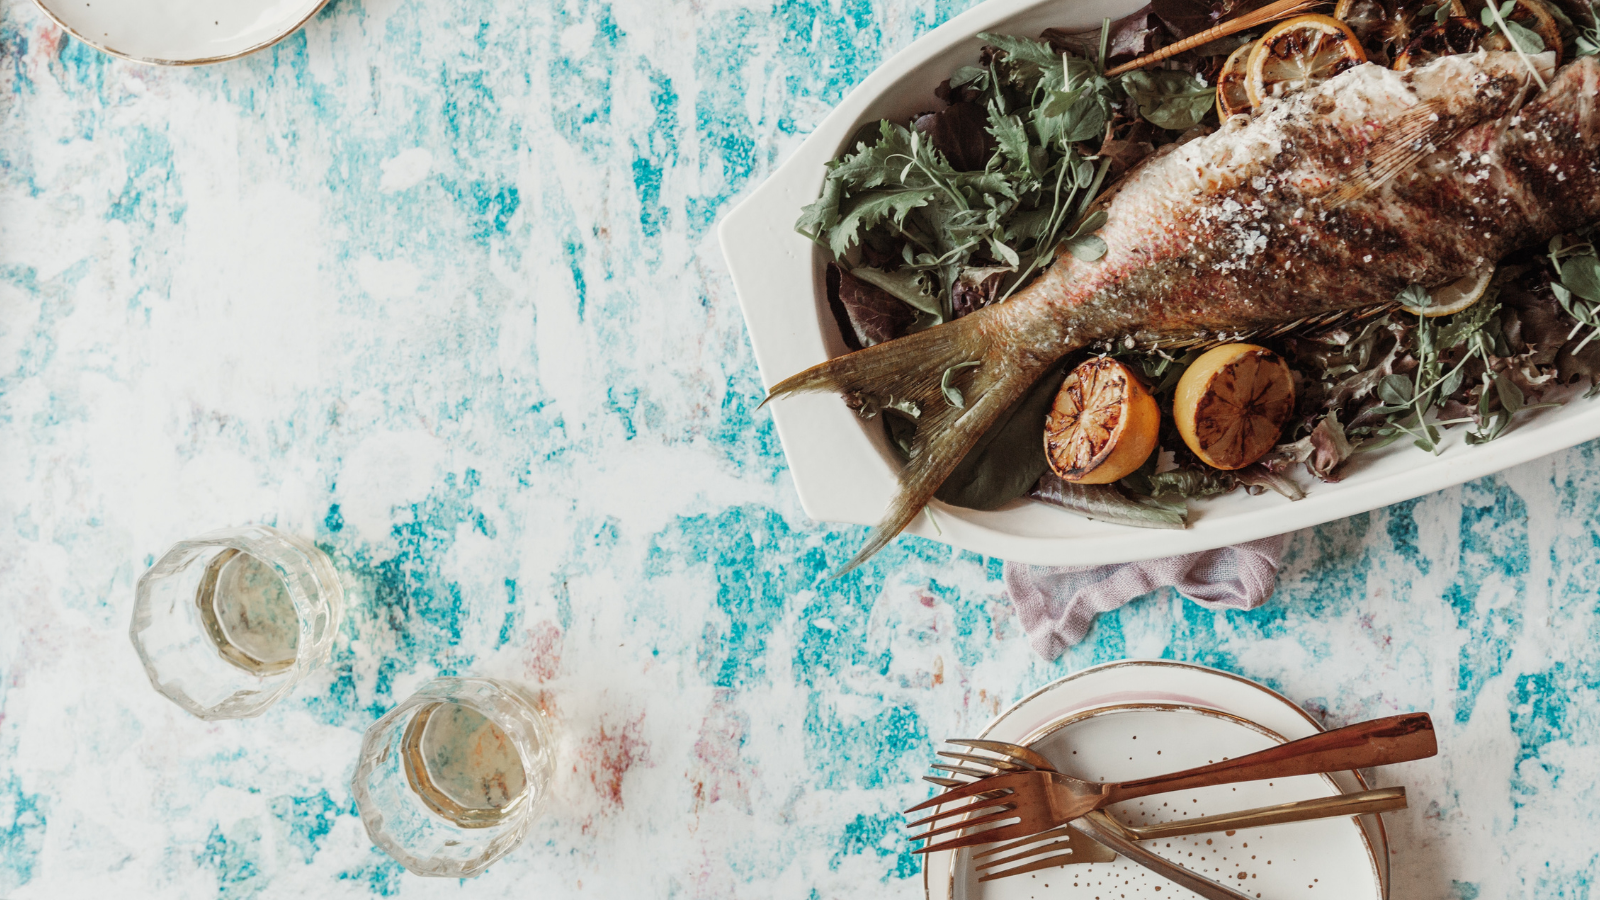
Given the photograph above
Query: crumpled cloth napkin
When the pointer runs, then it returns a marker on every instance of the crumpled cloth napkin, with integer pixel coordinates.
(1057, 604)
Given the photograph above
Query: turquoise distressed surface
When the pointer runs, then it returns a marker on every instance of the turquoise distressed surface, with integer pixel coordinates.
(435, 285)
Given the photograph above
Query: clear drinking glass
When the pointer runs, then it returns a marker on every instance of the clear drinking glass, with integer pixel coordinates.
(449, 780)
(228, 622)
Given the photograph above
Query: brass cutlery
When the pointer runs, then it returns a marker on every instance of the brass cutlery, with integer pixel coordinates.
(1045, 819)
(1069, 845)
(1024, 801)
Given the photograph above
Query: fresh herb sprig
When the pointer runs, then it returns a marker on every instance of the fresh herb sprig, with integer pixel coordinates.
(1588, 39)
(1577, 282)
(898, 214)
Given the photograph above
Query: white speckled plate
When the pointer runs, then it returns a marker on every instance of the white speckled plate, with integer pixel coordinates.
(845, 469)
(1133, 719)
(180, 32)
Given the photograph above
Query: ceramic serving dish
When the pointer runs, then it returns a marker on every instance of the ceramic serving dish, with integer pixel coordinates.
(844, 468)
(180, 32)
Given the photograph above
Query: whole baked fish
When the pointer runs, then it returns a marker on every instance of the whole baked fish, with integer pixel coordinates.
(1333, 199)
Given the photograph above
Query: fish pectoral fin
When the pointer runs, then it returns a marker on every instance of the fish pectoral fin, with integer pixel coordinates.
(1404, 142)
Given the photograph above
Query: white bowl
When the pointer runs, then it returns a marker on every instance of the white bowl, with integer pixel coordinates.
(844, 468)
(180, 32)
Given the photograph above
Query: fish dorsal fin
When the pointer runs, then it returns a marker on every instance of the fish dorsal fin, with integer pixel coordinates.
(1404, 142)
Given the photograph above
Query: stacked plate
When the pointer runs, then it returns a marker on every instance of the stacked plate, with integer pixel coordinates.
(180, 32)
(1136, 719)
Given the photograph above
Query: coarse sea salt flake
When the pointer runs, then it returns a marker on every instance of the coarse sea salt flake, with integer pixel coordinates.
(1367, 258)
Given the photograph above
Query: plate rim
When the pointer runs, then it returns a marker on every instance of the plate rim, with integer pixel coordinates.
(1377, 825)
(177, 63)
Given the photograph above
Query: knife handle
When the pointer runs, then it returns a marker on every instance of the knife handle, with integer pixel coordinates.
(1365, 744)
(1095, 826)
(1378, 801)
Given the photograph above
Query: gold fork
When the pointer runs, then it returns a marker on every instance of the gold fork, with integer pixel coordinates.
(1067, 844)
(1016, 804)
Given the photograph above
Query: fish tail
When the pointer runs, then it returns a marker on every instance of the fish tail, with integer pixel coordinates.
(913, 368)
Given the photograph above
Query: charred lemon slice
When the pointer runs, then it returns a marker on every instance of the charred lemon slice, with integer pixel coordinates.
(1455, 296)
(1231, 404)
(1454, 35)
(1233, 97)
(1300, 53)
(1384, 27)
(1103, 425)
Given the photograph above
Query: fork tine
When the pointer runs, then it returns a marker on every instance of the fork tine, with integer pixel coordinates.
(1005, 812)
(1030, 853)
(986, 836)
(943, 782)
(1049, 863)
(966, 809)
(990, 783)
(962, 770)
(1017, 752)
(1059, 831)
(1003, 764)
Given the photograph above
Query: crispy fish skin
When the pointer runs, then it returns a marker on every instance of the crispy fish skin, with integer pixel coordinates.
(1334, 199)
(1253, 236)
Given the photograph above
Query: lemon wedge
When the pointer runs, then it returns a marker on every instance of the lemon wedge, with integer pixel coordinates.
(1455, 296)
(1103, 425)
(1231, 404)
(1298, 54)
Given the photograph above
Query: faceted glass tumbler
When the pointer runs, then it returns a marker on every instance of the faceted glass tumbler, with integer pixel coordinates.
(227, 623)
(449, 780)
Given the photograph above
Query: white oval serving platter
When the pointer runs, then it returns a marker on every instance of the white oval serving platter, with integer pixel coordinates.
(1091, 712)
(844, 468)
(180, 32)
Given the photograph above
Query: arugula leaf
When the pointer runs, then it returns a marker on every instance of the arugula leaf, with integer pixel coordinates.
(1088, 248)
(874, 315)
(967, 75)
(1396, 390)
(906, 284)
(1190, 483)
(1581, 276)
(952, 394)
(1109, 504)
(1415, 296)
(1012, 137)
(1009, 458)
(1067, 117)
(1525, 38)
(1170, 99)
(1026, 59)
(871, 208)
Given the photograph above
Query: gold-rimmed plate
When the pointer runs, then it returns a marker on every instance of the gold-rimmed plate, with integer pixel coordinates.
(180, 32)
(1202, 714)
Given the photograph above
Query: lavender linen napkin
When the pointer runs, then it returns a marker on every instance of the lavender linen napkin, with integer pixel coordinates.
(1057, 604)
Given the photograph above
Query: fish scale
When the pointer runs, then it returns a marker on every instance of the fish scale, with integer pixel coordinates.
(1323, 206)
